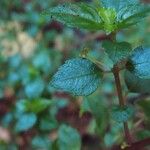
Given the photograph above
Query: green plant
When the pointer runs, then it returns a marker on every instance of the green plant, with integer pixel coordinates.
(82, 76)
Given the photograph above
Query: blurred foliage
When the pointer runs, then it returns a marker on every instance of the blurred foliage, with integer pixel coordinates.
(32, 114)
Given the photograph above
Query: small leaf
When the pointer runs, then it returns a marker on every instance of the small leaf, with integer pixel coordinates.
(122, 114)
(78, 76)
(136, 84)
(117, 51)
(68, 138)
(25, 122)
(41, 142)
(35, 88)
(139, 63)
(37, 105)
(80, 15)
(108, 17)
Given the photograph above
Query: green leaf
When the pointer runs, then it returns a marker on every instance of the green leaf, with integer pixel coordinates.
(145, 105)
(99, 111)
(136, 84)
(108, 17)
(37, 105)
(78, 76)
(122, 114)
(129, 12)
(117, 51)
(68, 138)
(139, 63)
(25, 122)
(80, 15)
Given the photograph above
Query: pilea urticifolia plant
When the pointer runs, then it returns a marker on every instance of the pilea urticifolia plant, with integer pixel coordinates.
(82, 76)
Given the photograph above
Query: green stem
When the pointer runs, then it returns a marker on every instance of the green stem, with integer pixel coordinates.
(121, 102)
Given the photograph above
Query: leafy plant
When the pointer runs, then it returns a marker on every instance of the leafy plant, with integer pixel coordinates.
(82, 76)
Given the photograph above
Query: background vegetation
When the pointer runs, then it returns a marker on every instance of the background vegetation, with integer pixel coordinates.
(33, 115)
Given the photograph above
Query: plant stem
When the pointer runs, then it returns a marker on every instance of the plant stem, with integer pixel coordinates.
(121, 102)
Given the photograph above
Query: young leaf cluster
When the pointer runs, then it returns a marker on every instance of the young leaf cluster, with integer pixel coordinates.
(110, 15)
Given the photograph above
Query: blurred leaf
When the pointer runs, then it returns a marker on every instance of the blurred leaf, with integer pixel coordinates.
(143, 134)
(48, 123)
(25, 122)
(78, 76)
(41, 142)
(145, 105)
(139, 63)
(80, 15)
(100, 113)
(122, 114)
(35, 88)
(68, 138)
(42, 61)
(36, 105)
(15, 61)
(136, 84)
(117, 51)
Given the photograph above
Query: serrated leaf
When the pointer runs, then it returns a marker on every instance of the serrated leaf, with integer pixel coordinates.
(132, 14)
(117, 51)
(121, 114)
(78, 76)
(135, 84)
(129, 12)
(80, 15)
(139, 63)
(25, 122)
(68, 138)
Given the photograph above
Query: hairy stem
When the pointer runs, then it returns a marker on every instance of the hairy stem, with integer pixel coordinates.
(121, 102)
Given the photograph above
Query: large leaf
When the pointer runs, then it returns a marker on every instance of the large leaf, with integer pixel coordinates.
(136, 84)
(78, 76)
(68, 138)
(122, 114)
(80, 15)
(139, 63)
(117, 51)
